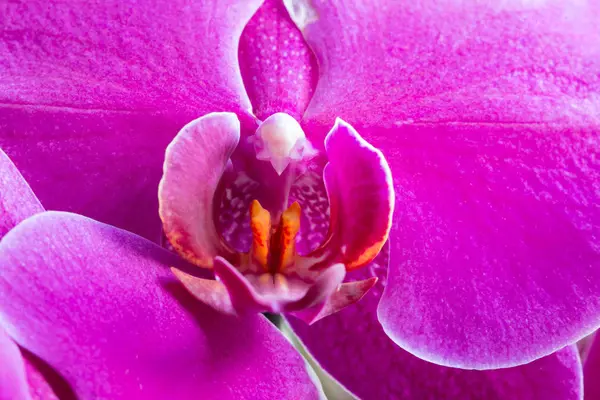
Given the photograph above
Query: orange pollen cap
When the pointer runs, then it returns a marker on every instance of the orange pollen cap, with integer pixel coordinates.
(274, 248)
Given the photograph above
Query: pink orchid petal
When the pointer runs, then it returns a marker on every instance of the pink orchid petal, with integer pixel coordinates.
(591, 370)
(194, 163)
(39, 385)
(13, 381)
(101, 306)
(19, 378)
(488, 116)
(347, 294)
(279, 70)
(584, 345)
(407, 61)
(209, 291)
(104, 164)
(495, 259)
(359, 184)
(352, 346)
(92, 92)
(17, 201)
(324, 286)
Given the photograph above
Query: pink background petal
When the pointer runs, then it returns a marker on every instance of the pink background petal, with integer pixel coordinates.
(92, 92)
(495, 257)
(488, 115)
(19, 378)
(384, 63)
(101, 306)
(39, 385)
(346, 294)
(591, 371)
(13, 381)
(353, 347)
(17, 201)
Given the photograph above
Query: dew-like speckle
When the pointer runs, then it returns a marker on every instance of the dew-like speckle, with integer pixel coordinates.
(309, 192)
(233, 220)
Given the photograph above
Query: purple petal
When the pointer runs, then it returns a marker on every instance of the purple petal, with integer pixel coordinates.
(347, 294)
(514, 61)
(39, 377)
(584, 345)
(353, 347)
(320, 291)
(93, 92)
(194, 164)
(591, 370)
(488, 116)
(209, 291)
(101, 306)
(17, 201)
(495, 257)
(359, 184)
(279, 70)
(13, 381)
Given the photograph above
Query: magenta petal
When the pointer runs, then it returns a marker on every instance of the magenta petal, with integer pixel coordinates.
(17, 201)
(279, 69)
(194, 163)
(584, 345)
(359, 185)
(209, 291)
(495, 259)
(13, 381)
(105, 164)
(347, 294)
(487, 113)
(101, 306)
(591, 371)
(91, 93)
(387, 63)
(353, 347)
(124, 57)
(319, 291)
(39, 385)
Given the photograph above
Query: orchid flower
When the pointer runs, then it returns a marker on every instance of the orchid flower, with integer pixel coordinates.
(413, 184)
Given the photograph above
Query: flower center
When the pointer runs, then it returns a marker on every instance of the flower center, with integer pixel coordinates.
(271, 275)
(274, 247)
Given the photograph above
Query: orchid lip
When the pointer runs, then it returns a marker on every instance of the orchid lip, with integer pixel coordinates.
(272, 275)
